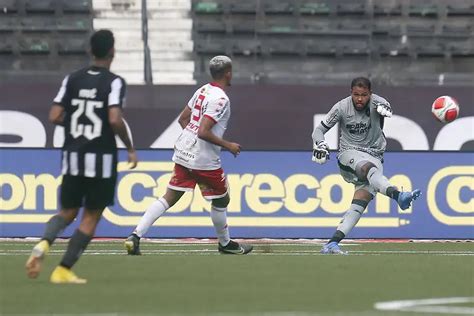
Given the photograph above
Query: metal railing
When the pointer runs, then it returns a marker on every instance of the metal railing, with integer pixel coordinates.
(148, 74)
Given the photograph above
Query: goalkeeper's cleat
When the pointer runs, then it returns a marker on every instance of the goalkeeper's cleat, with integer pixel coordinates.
(63, 275)
(405, 198)
(34, 262)
(234, 248)
(332, 248)
(132, 244)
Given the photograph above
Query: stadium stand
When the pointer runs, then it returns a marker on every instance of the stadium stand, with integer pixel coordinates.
(325, 42)
(124, 18)
(394, 42)
(171, 45)
(45, 38)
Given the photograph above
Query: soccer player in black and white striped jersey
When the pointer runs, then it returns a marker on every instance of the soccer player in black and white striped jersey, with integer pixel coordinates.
(89, 106)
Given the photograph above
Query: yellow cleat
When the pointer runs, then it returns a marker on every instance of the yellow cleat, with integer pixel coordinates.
(62, 275)
(34, 262)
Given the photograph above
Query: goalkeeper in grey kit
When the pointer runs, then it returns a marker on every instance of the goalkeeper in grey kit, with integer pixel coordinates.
(361, 147)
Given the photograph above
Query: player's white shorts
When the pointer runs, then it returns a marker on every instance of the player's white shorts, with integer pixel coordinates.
(348, 160)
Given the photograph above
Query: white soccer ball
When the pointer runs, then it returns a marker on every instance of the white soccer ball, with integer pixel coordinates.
(445, 109)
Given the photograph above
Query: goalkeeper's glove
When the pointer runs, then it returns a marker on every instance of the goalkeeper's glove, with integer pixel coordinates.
(320, 152)
(383, 109)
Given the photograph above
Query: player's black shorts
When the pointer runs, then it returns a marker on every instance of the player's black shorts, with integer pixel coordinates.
(93, 193)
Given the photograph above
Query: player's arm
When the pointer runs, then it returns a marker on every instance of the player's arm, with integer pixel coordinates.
(116, 101)
(383, 107)
(320, 147)
(206, 134)
(185, 117)
(56, 114)
(119, 128)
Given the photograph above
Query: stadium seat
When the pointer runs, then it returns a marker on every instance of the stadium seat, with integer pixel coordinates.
(6, 45)
(429, 48)
(352, 27)
(460, 8)
(37, 24)
(245, 47)
(353, 7)
(76, 6)
(8, 6)
(388, 46)
(460, 48)
(209, 46)
(9, 24)
(457, 30)
(207, 7)
(278, 7)
(74, 24)
(390, 8)
(210, 26)
(243, 24)
(283, 46)
(243, 7)
(72, 45)
(321, 48)
(315, 26)
(382, 27)
(423, 9)
(314, 8)
(43, 6)
(280, 25)
(33, 45)
(353, 47)
(421, 29)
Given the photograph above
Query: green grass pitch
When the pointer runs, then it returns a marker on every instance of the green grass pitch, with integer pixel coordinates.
(278, 278)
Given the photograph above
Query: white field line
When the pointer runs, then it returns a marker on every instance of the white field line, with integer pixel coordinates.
(145, 244)
(251, 240)
(430, 306)
(213, 251)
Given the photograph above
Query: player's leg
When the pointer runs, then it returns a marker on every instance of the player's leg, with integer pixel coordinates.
(219, 220)
(180, 182)
(360, 167)
(213, 185)
(374, 174)
(71, 201)
(152, 213)
(360, 200)
(98, 194)
(76, 246)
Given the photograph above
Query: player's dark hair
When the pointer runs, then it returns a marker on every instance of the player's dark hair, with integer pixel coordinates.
(361, 82)
(101, 43)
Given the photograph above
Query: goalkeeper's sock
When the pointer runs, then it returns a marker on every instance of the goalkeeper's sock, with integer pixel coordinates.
(219, 219)
(154, 211)
(393, 193)
(352, 216)
(378, 180)
(337, 237)
(54, 227)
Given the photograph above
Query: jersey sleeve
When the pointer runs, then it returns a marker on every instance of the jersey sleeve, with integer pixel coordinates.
(378, 100)
(118, 89)
(216, 108)
(62, 92)
(192, 100)
(332, 117)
